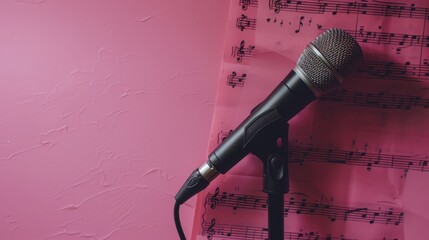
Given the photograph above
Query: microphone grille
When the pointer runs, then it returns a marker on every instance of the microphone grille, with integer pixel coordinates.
(339, 49)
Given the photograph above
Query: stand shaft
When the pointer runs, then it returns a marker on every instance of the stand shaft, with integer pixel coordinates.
(276, 216)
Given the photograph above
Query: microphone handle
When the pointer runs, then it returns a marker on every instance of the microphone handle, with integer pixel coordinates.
(289, 97)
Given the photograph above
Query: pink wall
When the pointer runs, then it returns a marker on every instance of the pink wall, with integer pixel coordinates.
(105, 109)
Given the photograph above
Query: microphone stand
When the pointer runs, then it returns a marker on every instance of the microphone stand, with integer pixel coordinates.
(273, 152)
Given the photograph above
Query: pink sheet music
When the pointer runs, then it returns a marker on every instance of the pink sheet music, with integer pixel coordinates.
(358, 156)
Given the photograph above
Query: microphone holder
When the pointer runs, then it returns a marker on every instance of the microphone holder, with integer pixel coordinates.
(273, 151)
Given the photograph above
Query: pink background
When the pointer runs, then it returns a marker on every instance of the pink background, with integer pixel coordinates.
(106, 108)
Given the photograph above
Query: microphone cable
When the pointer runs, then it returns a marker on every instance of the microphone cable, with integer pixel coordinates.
(177, 221)
(193, 185)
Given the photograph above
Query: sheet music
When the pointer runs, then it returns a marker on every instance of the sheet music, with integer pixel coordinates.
(358, 156)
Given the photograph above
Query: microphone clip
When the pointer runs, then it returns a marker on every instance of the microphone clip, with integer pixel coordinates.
(273, 152)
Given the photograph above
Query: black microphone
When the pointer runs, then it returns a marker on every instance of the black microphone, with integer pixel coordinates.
(325, 63)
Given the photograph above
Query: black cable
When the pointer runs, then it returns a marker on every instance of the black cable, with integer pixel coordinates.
(193, 185)
(177, 221)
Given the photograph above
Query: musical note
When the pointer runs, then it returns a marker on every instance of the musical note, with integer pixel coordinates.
(214, 200)
(399, 219)
(280, 21)
(239, 201)
(423, 164)
(389, 219)
(245, 22)
(242, 51)
(211, 230)
(300, 24)
(236, 81)
(375, 215)
(287, 208)
(398, 51)
(222, 232)
(277, 5)
(333, 216)
(358, 212)
(322, 8)
(245, 4)
(302, 204)
(363, 9)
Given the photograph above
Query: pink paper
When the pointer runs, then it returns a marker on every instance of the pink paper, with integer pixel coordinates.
(360, 151)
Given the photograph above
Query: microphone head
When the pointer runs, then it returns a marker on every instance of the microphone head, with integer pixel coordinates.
(329, 59)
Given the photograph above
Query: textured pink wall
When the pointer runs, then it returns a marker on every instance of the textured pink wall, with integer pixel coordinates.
(105, 109)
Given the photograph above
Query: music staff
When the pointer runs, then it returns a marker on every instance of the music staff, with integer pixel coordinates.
(245, 4)
(242, 51)
(395, 71)
(245, 22)
(235, 80)
(376, 99)
(401, 40)
(363, 7)
(387, 38)
(294, 206)
(298, 154)
(226, 231)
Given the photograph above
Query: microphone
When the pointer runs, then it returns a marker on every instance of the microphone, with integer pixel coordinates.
(324, 63)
